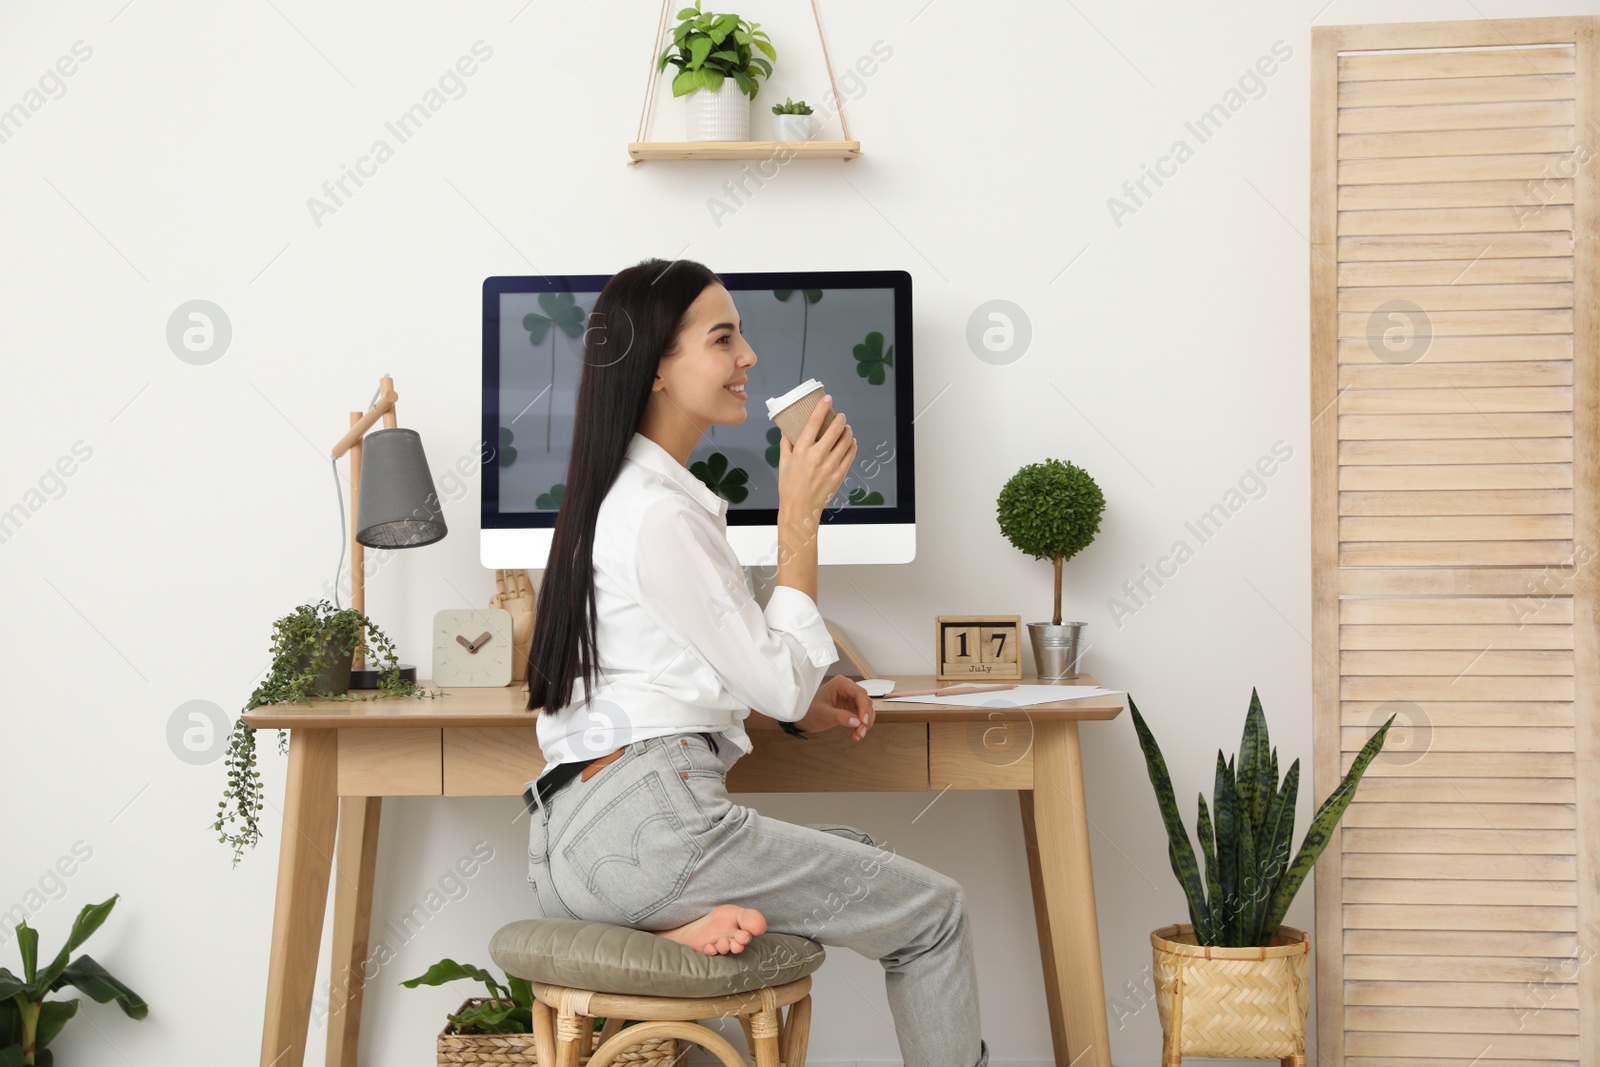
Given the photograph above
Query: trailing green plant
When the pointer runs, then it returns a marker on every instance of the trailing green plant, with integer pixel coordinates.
(309, 643)
(791, 107)
(708, 48)
(1050, 510)
(507, 1010)
(1249, 879)
(29, 1022)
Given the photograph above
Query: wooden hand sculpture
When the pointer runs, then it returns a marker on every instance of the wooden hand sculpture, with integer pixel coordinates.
(515, 594)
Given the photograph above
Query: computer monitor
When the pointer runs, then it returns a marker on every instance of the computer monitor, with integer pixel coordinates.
(851, 330)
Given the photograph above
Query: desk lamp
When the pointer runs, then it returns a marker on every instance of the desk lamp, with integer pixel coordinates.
(396, 506)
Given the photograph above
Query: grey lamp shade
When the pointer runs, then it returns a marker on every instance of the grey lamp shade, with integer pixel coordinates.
(398, 507)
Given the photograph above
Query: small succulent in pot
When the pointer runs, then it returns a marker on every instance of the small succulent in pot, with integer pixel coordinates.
(794, 121)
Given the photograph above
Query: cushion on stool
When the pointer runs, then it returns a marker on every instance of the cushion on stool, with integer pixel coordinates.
(607, 958)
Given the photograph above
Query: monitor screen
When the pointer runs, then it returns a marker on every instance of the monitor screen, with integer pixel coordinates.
(850, 330)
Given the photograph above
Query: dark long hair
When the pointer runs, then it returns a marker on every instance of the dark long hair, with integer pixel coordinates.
(634, 323)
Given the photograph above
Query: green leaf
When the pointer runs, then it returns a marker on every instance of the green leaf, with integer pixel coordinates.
(1252, 766)
(448, 970)
(761, 43)
(870, 356)
(1179, 851)
(745, 85)
(1273, 860)
(783, 294)
(521, 991)
(53, 1015)
(814, 296)
(699, 48)
(1321, 830)
(1208, 849)
(686, 13)
(97, 982)
(87, 922)
(1250, 903)
(684, 84)
(537, 325)
(711, 79)
(28, 945)
(10, 986)
(11, 1056)
(1227, 810)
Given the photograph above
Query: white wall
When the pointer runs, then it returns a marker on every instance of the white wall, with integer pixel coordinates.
(1169, 352)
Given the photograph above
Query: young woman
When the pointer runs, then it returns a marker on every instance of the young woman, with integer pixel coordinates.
(648, 653)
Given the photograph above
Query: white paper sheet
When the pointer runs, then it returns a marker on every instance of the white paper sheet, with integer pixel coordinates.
(1018, 696)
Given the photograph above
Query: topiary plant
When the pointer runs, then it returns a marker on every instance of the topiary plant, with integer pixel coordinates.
(312, 648)
(1051, 510)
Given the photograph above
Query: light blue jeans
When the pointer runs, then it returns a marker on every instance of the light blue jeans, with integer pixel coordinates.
(652, 841)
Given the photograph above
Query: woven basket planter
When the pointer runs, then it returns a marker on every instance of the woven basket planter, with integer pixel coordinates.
(1247, 1003)
(519, 1050)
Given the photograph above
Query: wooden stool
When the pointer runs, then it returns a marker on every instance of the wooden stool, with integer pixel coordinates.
(582, 970)
(563, 1020)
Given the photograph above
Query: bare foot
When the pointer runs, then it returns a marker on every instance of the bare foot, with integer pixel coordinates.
(723, 929)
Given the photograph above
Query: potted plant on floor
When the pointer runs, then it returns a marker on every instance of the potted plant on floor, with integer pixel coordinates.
(1233, 981)
(718, 71)
(29, 1022)
(794, 121)
(1052, 510)
(499, 1028)
(313, 648)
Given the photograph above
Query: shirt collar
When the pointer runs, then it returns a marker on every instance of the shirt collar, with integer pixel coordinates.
(646, 452)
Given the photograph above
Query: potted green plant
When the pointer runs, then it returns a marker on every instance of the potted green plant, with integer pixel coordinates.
(718, 71)
(1052, 510)
(313, 648)
(502, 1023)
(1234, 981)
(29, 1022)
(793, 122)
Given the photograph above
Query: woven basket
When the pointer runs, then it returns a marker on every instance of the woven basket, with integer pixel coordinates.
(519, 1050)
(1247, 1003)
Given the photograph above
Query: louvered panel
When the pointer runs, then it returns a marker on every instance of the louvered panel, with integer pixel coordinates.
(1454, 402)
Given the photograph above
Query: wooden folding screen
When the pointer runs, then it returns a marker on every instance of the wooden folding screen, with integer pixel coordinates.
(1455, 542)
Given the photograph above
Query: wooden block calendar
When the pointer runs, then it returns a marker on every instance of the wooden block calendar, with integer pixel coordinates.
(977, 647)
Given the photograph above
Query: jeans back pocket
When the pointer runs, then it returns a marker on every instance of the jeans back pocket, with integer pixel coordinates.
(633, 854)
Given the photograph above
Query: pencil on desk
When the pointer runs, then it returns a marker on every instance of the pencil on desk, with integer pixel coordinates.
(948, 691)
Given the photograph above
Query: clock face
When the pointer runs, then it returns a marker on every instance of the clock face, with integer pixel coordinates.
(472, 647)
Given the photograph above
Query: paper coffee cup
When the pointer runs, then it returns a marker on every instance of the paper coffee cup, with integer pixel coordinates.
(791, 410)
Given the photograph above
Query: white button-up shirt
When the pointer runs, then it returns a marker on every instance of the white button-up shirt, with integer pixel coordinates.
(683, 646)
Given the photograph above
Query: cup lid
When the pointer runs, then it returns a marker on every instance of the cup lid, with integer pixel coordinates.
(776, 404)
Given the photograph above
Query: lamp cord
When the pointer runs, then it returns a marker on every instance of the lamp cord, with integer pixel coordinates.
(338, 490)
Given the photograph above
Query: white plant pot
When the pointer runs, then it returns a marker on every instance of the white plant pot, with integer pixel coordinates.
(723, 115)
(791, 128)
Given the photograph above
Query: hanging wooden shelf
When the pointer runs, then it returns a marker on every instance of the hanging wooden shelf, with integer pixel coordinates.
(639, 151)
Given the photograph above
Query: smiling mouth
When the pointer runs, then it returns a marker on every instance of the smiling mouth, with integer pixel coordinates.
(736, 390)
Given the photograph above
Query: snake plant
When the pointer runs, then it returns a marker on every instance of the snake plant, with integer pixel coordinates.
(1249, 879)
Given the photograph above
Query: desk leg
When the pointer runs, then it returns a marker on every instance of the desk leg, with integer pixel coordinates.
(352, 925)
(309, 812)
(1055, 828)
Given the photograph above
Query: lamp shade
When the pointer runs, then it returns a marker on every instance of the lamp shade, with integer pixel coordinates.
(398, 506)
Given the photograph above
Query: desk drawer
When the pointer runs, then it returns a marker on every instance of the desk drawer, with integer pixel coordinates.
(893, 757)
(490, 762)
(997, 754)
(387, 762)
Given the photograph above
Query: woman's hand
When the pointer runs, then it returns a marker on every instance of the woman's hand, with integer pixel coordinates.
(811, 471)
(839, 702)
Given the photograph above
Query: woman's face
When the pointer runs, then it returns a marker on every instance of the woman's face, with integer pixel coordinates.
(709, 357)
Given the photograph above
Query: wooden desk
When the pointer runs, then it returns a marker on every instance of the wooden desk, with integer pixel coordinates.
(344, 757)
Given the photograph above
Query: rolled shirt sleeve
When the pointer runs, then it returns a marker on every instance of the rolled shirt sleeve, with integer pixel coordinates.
(691, 585)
